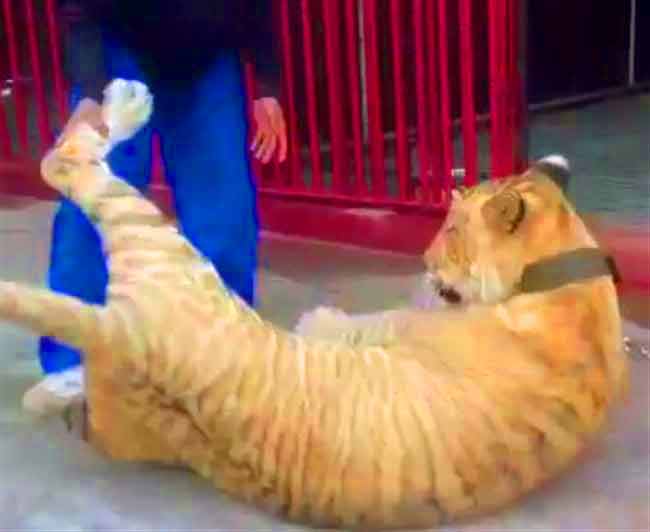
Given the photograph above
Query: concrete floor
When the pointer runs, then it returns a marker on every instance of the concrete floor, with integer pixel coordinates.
(52, 481)
(607, 145)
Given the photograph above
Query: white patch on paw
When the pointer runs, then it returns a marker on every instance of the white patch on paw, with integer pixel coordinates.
(126, 108)
(322, 322)
(556, 160)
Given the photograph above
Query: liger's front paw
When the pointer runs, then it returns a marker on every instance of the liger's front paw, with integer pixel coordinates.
(322, 322)
(126, 108)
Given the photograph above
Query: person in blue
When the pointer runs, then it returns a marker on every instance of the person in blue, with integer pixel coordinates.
(189, 54)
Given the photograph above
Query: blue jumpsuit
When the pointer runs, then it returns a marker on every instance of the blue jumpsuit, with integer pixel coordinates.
(203, 131)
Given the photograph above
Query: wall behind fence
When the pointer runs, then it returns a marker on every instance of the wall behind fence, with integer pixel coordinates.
(389, 102)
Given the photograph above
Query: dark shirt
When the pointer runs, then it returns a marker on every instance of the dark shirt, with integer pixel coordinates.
(175, 40)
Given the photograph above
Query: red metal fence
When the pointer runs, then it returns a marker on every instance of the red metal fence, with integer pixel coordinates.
(388, 101)
(29, 40)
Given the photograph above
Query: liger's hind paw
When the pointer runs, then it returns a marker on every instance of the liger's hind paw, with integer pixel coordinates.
(126, 108)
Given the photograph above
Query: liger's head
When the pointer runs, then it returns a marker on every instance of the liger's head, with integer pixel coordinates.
(495, 229)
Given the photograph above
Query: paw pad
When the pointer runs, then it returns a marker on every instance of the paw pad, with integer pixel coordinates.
(126, 108)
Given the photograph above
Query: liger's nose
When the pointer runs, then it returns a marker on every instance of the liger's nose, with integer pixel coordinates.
(432, 279)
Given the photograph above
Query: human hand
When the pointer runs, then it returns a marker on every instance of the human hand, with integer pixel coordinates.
(271, 130)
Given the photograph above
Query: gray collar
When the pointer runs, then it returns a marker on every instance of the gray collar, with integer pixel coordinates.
(570, 267)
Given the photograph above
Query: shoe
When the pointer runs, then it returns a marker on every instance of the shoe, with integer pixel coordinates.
(55, 393)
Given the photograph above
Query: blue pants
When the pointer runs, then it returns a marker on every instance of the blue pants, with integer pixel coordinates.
(203, 131)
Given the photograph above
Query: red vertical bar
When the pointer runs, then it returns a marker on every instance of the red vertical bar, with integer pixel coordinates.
(374, 98)
(42, 116)
(295, 163)
(502, 94)
(512, 44)
(5, 137)
(17, 86)
(55, 51)
(505, 102)
(157, 165)
(401, 133)
(312, 116)
(495, 19)
(515, 88)
(445, 101)
(276, 174)
(352, 48)
(518, 48)
(340, 169)
(470, 149)
(492, 57)
(436, 129)
(423, 138)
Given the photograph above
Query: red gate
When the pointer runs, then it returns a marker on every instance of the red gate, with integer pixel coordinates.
(385, 97)
(32, 90)
(390, 103)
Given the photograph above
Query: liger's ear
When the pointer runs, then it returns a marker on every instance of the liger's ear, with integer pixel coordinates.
(505, 211)
(462, 192)
(555, 167)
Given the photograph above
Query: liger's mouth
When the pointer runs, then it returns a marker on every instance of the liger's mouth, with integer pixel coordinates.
(449, 294)
(446, 292)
